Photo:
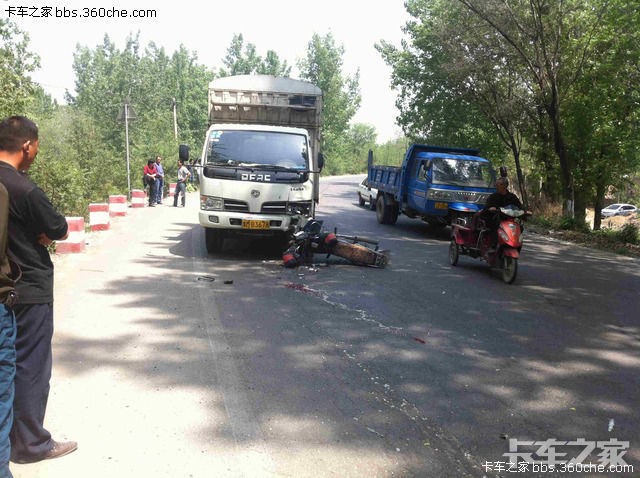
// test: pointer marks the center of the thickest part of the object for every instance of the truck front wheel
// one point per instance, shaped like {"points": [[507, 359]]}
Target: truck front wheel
{"points": [[386, 211], [213, 239]]}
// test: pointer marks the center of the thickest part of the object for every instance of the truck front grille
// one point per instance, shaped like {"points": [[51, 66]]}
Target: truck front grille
{"points": [[279, 207], [236, 206]]}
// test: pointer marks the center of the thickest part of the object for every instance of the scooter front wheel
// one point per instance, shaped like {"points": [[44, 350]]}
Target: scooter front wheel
{"points": [[509, 269], [453, 252]]}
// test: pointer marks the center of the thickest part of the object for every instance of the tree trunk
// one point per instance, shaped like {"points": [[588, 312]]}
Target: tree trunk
{"points": [[565, 167], [523, 190], [580, 206], [600, 190]]}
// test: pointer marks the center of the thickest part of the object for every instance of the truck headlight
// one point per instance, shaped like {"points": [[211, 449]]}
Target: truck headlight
{"points": [[440, 195], [302, 207], [208, 203]]}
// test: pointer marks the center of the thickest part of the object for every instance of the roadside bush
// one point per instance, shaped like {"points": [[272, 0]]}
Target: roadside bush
{"points": [[572, 224], [628, 234], [542, 221]]}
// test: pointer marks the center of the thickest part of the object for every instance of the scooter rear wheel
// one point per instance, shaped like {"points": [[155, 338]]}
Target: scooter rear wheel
{"points": [[453, 252], [509, 269]]}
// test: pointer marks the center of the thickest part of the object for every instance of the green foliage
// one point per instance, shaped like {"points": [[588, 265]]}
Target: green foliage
{"points": [[566, 223], [73, 167], [17, 63], [322, 66], [615, 237], [243, 60], [556, 83], [629, 234], [107, 77], [435, 101]]}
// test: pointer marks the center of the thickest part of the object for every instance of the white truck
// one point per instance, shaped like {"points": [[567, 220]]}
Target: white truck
{"points": [[260, 163]]}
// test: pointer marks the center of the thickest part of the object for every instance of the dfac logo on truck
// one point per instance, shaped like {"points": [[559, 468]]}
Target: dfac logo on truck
{"points": [[256, 177]]}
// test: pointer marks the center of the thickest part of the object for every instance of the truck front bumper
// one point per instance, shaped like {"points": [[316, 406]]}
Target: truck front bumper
{"points": [[237, 221]]}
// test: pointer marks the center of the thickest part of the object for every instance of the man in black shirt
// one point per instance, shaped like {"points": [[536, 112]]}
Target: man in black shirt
{"points": [[33, 224], [501, 198]]}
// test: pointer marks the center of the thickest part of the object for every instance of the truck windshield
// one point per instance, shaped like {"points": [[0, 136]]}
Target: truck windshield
{"points": [[463, 172], [257, 148]]}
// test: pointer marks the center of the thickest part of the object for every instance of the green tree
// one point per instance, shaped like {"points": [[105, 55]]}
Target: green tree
{"points": [[17, 63], [434, 104], [603, 120], [554, 43], [150, 80], [322, 66], [361, 138], [243, 59]]}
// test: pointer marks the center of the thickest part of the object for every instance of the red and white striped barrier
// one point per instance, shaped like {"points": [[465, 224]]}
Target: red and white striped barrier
{"points": [[99, 216], [172, 189], [138, 198], [117, 205], [75, 242]]}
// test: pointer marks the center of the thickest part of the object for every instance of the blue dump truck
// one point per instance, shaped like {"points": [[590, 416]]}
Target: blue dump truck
{"points": [[439, 185]]}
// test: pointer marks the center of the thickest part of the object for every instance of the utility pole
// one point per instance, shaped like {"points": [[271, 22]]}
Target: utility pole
{"points": [[127, 114], [126, 134], [175, 119]]}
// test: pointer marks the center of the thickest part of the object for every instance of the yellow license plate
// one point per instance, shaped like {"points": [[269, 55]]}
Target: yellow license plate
{"points": [[442, 205], [254, 224]]}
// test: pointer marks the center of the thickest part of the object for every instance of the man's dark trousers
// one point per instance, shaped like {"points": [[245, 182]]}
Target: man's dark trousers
{"points": [[181, 186], [33, 371]]}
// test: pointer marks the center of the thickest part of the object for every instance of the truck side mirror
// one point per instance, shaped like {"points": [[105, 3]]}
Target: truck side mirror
{"points": [[320, 161], [183, 152]]}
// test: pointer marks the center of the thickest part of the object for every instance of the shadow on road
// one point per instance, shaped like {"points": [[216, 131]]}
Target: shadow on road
{"points": [[419, 356]]}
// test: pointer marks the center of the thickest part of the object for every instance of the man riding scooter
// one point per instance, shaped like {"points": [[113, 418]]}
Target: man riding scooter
{"points": [[491, 212]]}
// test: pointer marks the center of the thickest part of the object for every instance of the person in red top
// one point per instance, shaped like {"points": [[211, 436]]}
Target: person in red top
{"points": [[150, 174]]}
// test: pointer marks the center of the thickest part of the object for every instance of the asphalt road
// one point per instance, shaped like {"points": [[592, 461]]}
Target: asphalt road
{"points": [[161, 369]]}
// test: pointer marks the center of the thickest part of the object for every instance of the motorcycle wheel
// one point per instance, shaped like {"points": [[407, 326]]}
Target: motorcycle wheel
{"points": [[453, 252], [509, 269]]}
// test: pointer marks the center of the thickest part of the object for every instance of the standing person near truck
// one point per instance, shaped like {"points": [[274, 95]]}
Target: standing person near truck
{"points": [[33, 224], [159, 180], [8, 279], [181, 185], [150, 174]]}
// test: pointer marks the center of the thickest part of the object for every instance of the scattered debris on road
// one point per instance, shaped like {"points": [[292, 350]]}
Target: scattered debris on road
{"points": [[375, 432], [206, 278]]}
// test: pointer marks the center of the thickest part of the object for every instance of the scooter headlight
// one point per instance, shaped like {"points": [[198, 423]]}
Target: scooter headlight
{"points": [[503, 235]]}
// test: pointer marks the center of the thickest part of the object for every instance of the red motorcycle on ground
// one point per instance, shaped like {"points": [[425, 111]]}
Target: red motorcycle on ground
{"points": [[475, 241]]}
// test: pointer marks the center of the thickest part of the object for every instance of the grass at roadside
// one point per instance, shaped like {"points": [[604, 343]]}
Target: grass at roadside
{"points": [[623, 240]]}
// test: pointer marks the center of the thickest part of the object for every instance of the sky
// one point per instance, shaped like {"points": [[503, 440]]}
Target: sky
{"points": [[207, 27]]}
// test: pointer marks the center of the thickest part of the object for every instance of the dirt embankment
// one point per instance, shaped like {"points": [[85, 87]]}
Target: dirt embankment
{"points": [[615, 222]]}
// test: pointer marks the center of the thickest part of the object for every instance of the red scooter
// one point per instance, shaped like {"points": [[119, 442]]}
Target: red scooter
{"points": [[475, 241]]}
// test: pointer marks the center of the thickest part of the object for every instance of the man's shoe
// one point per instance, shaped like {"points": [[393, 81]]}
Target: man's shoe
{"points": [[59, 448]]}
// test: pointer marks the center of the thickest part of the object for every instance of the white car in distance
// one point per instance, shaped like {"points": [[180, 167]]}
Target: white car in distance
{"points": [[618, 210], [367, 194]]}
